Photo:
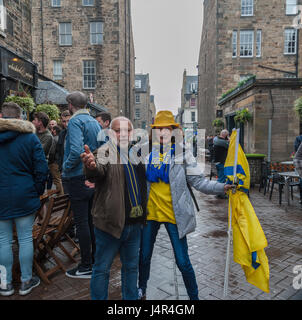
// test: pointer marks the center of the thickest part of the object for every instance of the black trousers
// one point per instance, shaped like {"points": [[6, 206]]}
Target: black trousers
{"points": [[81, 198]]}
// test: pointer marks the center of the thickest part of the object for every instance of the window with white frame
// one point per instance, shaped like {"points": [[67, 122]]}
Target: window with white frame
{"points": [[193, 116], [96, 32], [234, 44], [258, 43], [88, 3], [2, 16], [89, 74], [247, 7], [246, 43], [57, 70], [56, 3], [290, 41], [291, 7], [65, 34], [138, 84], [137, 98], [137, 113], [193, 86]]}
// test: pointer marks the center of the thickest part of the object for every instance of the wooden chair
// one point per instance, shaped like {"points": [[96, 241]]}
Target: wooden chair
{"points": [[62, 225], [47, 234]]}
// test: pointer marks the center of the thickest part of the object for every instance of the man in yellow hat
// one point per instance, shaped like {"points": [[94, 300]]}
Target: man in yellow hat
{"points": [[169, 199]]}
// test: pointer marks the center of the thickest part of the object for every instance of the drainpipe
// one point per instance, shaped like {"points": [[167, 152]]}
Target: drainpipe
{"points": [[270, 121], [297, 54], [42, 35]]}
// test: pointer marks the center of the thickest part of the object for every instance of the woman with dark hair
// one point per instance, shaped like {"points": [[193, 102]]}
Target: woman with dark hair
{"points": [[169, 200]]}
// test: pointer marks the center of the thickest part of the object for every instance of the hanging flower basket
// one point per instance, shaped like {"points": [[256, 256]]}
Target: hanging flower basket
{"points": [[218, 123], [298, 107], [243, 116]]}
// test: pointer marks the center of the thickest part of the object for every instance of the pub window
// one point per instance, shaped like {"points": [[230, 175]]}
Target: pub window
{"points": [[65, 34], [96, 32], [291, 7], [247, 7], [88, 3], [56, 3], [2, 16], [290, 41], [89, 74], [246, 43], [57, 70]]}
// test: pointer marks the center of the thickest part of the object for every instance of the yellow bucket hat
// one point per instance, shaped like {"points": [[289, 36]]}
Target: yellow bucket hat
{"points": [[164, 119]]}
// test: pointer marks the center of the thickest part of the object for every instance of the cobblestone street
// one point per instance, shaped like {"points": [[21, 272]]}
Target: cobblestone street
{"points": [[207, 248]]}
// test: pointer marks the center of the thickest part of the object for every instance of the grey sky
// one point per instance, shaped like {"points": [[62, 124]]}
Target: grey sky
{"points": [[167, 37]]}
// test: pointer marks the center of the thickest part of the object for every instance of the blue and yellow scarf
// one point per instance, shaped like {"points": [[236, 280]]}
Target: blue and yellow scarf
{"points": [[132, 186], [159, 163]]}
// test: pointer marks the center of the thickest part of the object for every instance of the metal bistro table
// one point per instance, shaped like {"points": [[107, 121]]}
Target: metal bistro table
{"points": [[287, 176]]}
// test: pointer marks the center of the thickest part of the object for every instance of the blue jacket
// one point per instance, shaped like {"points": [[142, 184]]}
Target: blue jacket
{"points": [[23, 169], [82, 129]]}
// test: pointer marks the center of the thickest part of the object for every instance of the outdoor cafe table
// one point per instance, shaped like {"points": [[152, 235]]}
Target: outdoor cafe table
{"points": [[287, 176]]}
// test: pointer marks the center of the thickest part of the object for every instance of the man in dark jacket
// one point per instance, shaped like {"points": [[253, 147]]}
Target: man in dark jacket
{"points": [[59, 157], [41, 121], [221, 145], [23, 172], [119, 210]]}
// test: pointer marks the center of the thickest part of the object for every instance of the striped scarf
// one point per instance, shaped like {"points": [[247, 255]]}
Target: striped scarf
{"points": [[132, 186]]}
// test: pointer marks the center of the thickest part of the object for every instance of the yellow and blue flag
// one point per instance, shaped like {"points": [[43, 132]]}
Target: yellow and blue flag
{"points": [[249, 240]]}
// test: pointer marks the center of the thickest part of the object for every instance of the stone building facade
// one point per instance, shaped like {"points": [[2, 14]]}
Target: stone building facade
{"points": [[188, 113], [266, 100], [87, 45], [17, 70], [241, 38], [142, 111], [15, 26]]}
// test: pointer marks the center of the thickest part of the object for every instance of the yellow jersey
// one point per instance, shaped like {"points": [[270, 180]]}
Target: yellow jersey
{"points": [[159, 205]]}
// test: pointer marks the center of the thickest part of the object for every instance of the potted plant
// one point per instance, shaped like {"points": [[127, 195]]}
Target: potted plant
{"points": [[50, 109], [243, 116]]}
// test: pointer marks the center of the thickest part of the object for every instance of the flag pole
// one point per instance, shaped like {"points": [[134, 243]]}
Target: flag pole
{"points": [[230, 230]]}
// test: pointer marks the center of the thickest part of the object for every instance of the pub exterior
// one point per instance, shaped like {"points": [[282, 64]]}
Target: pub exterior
{"points": [[17, 74]]}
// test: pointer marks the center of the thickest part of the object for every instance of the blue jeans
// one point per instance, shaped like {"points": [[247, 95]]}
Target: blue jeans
{"points": [[220, 171], [180, 248], [24, 227], [106, 249]]}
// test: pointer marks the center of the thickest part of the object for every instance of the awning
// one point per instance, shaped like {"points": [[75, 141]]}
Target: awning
{"points": [[95, 108], [50, 92]]}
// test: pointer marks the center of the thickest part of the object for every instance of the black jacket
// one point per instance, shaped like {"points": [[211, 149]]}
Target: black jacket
{"points": [[59, 156], [220, 149]]}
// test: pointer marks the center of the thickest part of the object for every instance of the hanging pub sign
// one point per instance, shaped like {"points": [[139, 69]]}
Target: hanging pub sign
{"points": [[17, 68]]}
